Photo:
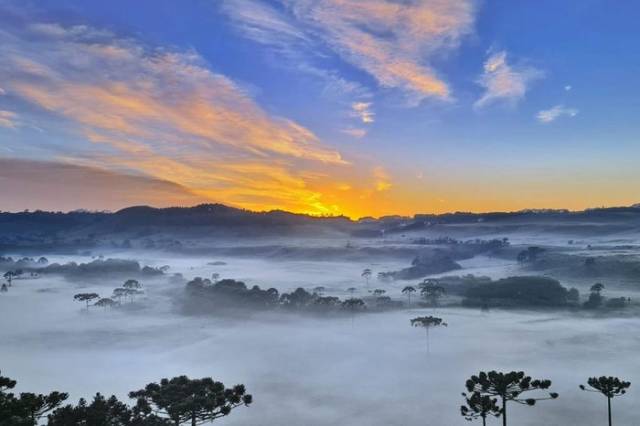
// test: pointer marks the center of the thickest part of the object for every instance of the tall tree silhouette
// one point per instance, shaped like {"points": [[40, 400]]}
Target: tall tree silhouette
{"points": [[607, 386], [427, 323], [194, 401], [479, 406], [9, 275], [408, 290], [353, 304], [105, 303], [366, 274], [508, 387], [85, 297], [431, 290]]}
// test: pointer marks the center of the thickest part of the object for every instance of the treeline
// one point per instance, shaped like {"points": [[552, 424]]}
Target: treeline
{"points": [[170, 402], [206, 296], [519, 291], [96, 268]]}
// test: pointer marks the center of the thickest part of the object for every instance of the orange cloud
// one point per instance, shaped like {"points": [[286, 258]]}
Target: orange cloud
{"points": [[167, 115], [8, 119], [392, 41]]}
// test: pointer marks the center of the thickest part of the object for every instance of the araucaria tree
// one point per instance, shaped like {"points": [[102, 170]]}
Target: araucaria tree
{"points": [[427, 323], [27, 408], [190, 401], [9, 276], [105, 303], [479, 406], [366, 274], [432, 291], [408, 290], [354, 304], [508, 387], [607, 386], [85, 297]]}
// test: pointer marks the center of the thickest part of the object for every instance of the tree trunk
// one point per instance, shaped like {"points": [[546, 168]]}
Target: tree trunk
{"points": [[193, 419], [504, 411], [609, 407], [484, 420], [428, 346]]}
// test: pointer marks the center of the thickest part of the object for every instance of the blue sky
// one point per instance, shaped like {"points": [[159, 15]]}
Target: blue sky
{"points": [[326, 107]]}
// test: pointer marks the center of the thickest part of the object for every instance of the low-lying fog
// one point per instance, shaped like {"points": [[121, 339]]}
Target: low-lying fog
{"points": [[306, 370]]}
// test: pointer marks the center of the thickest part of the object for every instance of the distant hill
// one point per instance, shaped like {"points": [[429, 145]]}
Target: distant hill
{"points": [[85, 228]]}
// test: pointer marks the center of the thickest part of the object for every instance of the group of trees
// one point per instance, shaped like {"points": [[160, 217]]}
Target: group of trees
{"points": [[597, 300], [171, 402], [488, 394], [129, 290], [206, 296], [430, 290]]}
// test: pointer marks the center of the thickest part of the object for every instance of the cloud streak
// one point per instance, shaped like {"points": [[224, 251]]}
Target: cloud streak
{"points": [[8, 119], [362, 111], [394, 42], [552, 114]]}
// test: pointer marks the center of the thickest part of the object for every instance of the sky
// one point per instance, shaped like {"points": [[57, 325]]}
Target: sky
{"points": [[325, 107]]}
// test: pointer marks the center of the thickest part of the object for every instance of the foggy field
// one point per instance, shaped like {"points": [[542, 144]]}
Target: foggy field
{"points": [[310, 370]]}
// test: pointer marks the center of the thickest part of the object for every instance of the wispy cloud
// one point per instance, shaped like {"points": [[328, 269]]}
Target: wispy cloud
{"points": [[356, 132], [8, 119], [552, 114], [504, 82], [392, 41], [362, 111], [166, 114], [382, 179]]}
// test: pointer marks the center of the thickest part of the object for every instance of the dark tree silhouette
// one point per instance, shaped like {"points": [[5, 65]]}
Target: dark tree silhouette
{"points": [[9, 275], [607, 386], [408, 290], [194, 401], [3, 288], [132, 289], [119, 293], [508, 387], [85, 297], [479, 406], [378, 292], [573, 295], [351, 290], [595, 297], [132, 284], [104, 412], [27, 408], [427, 323], [431, 290], [105, 303], [352, 305], [366, 274]]}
